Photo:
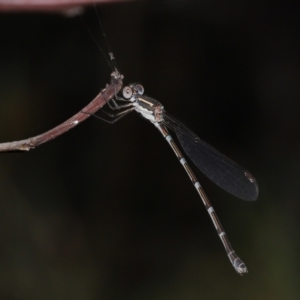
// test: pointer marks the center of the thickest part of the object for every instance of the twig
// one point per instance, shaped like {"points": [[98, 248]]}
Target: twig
{"points": [[104, 96]]}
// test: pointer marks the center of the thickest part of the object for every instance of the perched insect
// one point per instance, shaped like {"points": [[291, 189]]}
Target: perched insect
{"points": [[217, 167]]}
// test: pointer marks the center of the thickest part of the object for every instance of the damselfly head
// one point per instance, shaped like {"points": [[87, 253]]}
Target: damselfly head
{"points": [[133, 89]]}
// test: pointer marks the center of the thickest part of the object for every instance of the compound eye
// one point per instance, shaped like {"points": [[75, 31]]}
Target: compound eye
{"points": [[140, 89], [127, 92]]}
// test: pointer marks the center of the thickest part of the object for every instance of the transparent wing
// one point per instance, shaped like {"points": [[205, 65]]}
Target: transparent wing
{"points": [[216, 166]]}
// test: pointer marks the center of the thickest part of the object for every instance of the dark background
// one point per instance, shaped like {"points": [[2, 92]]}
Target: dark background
{"points": [[107, 212]]}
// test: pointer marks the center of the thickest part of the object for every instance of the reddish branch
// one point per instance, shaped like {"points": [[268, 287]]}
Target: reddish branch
{"points": [[48, 5], [104, 96]]}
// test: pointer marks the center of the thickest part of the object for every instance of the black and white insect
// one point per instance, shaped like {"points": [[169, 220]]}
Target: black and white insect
{"points": [[217, 167]]}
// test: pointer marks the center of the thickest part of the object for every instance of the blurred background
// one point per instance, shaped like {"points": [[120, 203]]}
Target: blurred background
{"points": [[106, 211]]}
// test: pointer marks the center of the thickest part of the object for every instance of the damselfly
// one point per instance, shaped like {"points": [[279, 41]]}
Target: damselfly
{"points": [[217, 167]]}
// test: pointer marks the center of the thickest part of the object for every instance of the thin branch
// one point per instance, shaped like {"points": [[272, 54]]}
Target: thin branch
{"points": [[100, 100]]}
